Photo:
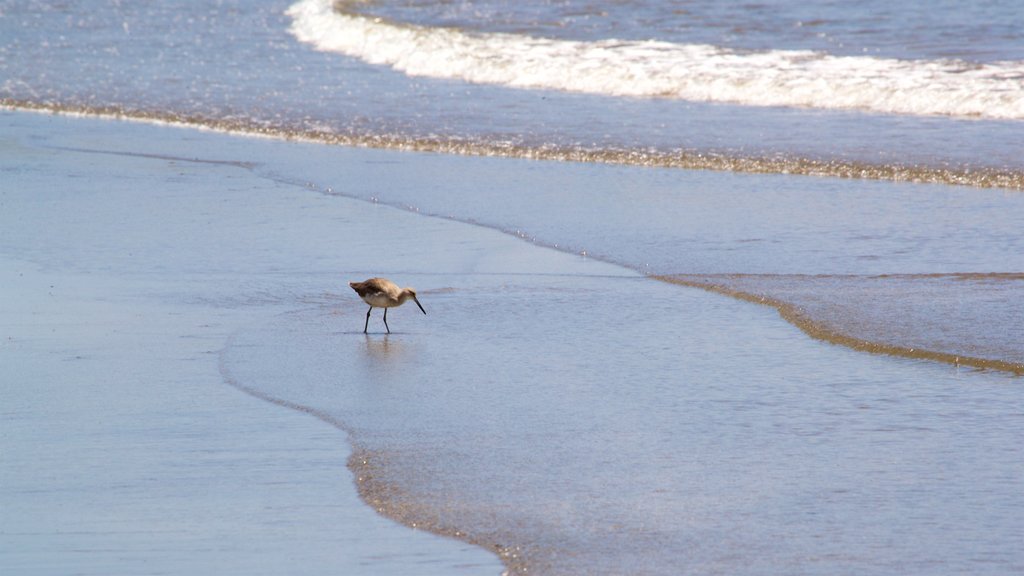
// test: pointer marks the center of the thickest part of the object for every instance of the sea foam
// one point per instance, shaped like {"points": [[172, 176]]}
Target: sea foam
{"points": [[695, 72]]}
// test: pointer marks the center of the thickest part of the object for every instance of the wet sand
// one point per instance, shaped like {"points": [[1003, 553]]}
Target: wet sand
{"points": [[182, 325]]}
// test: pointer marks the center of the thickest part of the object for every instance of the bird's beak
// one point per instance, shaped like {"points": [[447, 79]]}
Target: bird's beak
{"points": [[418, 304]]}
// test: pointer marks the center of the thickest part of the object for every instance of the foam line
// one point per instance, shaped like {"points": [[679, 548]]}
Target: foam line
{"points": [[695, 72]]}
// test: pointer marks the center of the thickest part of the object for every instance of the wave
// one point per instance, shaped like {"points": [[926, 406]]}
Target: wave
{"points": [[695, 72]]}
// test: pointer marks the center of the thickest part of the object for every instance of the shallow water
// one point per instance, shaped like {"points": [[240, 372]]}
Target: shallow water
{"points": [[963, 319], [896, 257], [582, 425]]}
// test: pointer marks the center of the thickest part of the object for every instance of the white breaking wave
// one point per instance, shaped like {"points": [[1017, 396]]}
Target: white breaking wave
{"points": [[661, 69]]}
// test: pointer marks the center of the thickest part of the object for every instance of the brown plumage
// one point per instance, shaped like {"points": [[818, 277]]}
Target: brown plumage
{"points": [[383, 293]]}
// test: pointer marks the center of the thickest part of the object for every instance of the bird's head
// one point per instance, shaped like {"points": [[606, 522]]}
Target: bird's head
{"points": [[411, 293]]}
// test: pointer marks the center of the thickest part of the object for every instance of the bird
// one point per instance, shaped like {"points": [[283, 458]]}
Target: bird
{"points": [[383, 293]]}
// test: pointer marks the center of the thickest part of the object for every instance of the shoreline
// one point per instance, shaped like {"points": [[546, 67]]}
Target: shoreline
{"points": [[789, 310], [982, 178]]}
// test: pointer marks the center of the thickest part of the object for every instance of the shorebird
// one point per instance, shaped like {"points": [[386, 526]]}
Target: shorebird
{"points": [[383, 293]]}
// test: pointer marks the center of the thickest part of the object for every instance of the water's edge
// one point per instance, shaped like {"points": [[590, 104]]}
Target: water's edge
{"points": [[363, 464], [676, 159], [818, 330]]}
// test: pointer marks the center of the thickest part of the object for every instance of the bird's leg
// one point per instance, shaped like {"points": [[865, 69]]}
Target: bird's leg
{"points": [[386, 320], [365, 326]]}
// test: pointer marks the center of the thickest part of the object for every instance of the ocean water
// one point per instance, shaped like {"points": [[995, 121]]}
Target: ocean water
{"points": [[856, 166], [909, 93]]}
